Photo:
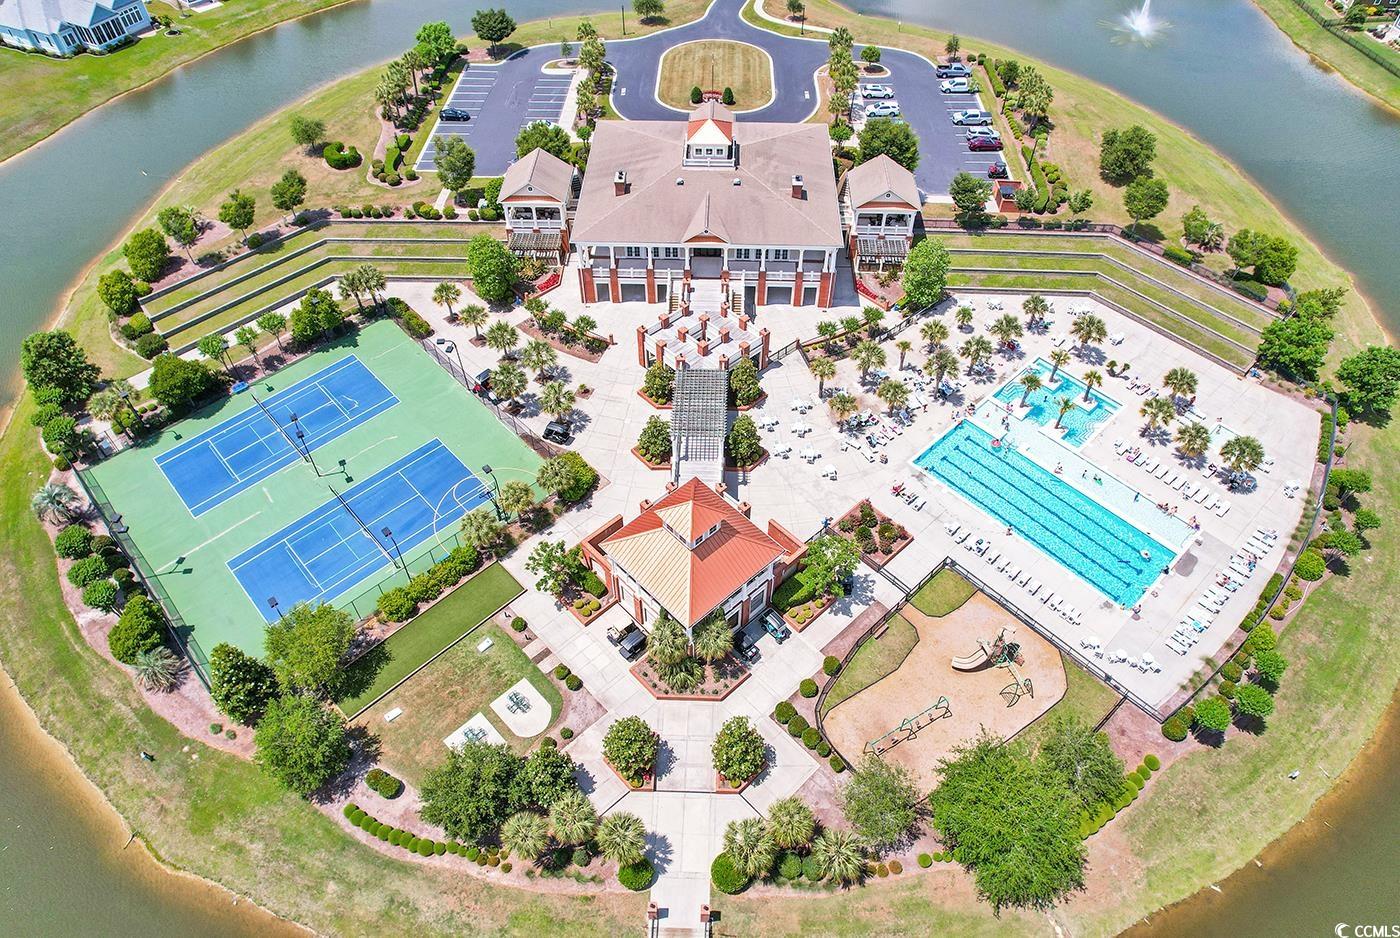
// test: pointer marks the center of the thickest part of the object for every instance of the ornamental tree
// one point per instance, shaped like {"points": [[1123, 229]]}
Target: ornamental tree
{"points": [[1270, 666], [631, 747], [879, 801], [1251, 700], [180, 224], [1084, 760], [926, 273], [742, 443], [436, 41], [1144, 198], [1213, 714], [543, 777], [493, 25], [306, 646], [177, 383], [455, 162], [895, 140], [308, 132], [738, 751], [545, 136], [648, 10], [1126, 154], [470, 794], [829, 562], [146, 253], [1372, 379], [970, 195], [301, 743], [555, 566], [1295, 347], [238, 211], [242, 685], [289, 191], [493, 268], [118, 292], [654, 443], [54, 362]]}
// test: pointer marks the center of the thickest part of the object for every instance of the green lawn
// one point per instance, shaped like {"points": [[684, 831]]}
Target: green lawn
{"points": [[1086, 698], [945, 593], [427, 635], [43, 93], [446, 694], [875, 659]]}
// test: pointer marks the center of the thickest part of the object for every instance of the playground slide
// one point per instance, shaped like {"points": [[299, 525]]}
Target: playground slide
{"points": [[972, 662]]}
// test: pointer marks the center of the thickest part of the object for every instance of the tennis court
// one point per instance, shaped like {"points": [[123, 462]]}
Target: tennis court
{"points": [[341, 542], [392, 434], [242, 451]]}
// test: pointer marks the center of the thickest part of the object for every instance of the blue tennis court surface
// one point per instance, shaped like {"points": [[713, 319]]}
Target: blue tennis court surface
{"points": [[207, 469], [326, 552]]}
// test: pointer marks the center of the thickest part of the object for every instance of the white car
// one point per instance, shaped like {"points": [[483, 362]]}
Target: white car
{"points": [[985, 132], [876, 91], [883, 109], [954, 86], [973, 116]]}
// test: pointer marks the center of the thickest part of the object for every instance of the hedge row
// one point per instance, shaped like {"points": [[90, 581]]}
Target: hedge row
{"points": [[423, 846], [400, 603]]}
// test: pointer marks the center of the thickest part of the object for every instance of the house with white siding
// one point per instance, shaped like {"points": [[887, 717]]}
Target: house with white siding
{"points": [[67, 27]]}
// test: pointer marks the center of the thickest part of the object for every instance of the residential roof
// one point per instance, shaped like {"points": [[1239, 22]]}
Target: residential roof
{"points": [[689, 582], [46, 16], [747, 204], [881, 180], [537, 173]]}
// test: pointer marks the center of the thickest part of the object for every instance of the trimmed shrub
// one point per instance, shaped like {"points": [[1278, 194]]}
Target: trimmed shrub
{"points": [[1178, 255], [790, 866], [1152, 762], [1231, 672], [150, 345], [811, 736], [566, 733], [797, 725], [101, 595], [808, 688], [838, 765], [395, 605], [561, 672], [573, 682], [830, 665], [383, 783], [518, 624], [1175, 729], [726, 876], [88, 570], [73, 542], [1135, 780], [637, 876], [1311, 565], [812, 869], [506, 867], [925, 860], [784, 712]]}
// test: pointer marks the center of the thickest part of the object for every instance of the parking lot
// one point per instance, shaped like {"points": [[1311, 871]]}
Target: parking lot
{"points": [[500, 99], [943, 149]]}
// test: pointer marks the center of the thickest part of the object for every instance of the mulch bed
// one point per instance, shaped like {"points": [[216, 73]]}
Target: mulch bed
{"points": [[607, 601], [723, 788], [648, 782], [577, 350], [721, 678], [734, 467], [815, 607], [643, 395], [881, 554], [648, 463]]}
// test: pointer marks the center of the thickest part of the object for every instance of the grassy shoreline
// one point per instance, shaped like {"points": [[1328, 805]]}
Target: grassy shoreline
{"points": [[35, 81], [1334, 54], [199, 815]]}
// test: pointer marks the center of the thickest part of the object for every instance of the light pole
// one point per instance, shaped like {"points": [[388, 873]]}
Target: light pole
{"points": [[624, 19], [457, 351], [390, 535], [496, 488], [126, 399], [272, 602]]}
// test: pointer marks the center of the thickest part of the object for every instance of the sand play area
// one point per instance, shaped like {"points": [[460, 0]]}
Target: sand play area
{"points": [[974, 697]]}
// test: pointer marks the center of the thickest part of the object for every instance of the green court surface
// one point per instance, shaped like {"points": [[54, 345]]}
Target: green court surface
{"points": [[190, 554]]}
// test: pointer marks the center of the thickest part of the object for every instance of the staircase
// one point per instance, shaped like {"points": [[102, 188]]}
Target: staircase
{"points": [[698, 424], [706, 296]]}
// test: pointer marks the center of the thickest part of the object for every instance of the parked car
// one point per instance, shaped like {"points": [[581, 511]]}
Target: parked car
{"points": [[876, 91], [973, 116], [774, 625], [986, 132], [984, 143], [557, 431], [630, 641], [455, 114], [997, 170], [954, 86], [883, 109], [952, 70], [745, 646], [482, 386]]}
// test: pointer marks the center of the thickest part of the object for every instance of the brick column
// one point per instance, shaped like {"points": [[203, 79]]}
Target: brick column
{"points": [[642, 346], [764, 339], [614, 291], [760, 295], [651, 285], [797, 286], [586, 286], [824, 291]]}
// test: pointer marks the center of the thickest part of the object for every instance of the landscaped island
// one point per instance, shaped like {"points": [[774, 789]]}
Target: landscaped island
{"points": [[458, 664]]}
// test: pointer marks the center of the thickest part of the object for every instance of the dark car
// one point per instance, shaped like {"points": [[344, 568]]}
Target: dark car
{"points": [[997, 170], [746, 646], [455, 114], [482, 386], [629, 641], [984, 143], [557, 431], [952, 70]]}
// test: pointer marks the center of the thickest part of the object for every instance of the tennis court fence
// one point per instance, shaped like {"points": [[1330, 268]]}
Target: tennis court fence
{"points": [[362, 605], [456, 370], [179, 630]]}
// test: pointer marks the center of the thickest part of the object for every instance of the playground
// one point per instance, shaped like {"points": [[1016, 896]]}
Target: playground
{"points": [[974, 666]]}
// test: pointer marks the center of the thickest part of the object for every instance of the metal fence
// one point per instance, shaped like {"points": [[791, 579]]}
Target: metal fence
{"points": [[454, 367], [179, 630], [1338, 28], [363, 604]]}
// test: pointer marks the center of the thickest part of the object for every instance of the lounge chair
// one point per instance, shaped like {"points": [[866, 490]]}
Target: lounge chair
{"points": [[923, 500], [1013, 572], [1210, 502], [1003, 565], [1033, 587], [1161, 471], [1190, 489], [962, 537], [1200, 495], [1152, 465], [992, 556], [952, 528], [1049, 597], [1179, 483], [1222, 509], [1023, 578]]}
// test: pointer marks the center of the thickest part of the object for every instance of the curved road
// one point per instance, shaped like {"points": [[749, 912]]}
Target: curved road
{"points": [[503, 97]]}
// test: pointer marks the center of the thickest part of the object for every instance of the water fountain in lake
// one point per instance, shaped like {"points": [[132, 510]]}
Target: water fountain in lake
{"points": [[1139, 25]]}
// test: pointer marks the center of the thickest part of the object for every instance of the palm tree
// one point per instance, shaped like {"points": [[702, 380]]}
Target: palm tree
{"points": [[943, 364], [1035, 308], [749, 846], [557, 399], [828, 330], [55, 503], [525, 834], [851, 325], [621, 838], [538, 355], [1007, 328], [1180, 381], [473, 315], [871, 316], [894, 393], [1064, 405], [508, 381], [1193, 439], [823, 369], [502, 337], [843, 405], [1058, 357], [371, 280], [158, 669], [445, 294], [934, 333], [903, 345], [976, 350], [868, 354], [713, 638], [1030, 381], [1242, 453], [1089, 330], [573, 819], [1092, 379], [840, 854], [667, 642], [963, 317], [351, 287], [584, 324], [1159, 411], [791, 823]]}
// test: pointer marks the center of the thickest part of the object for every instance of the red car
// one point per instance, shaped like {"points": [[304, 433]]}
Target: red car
{"points": [[997, 170], [984, 143]]}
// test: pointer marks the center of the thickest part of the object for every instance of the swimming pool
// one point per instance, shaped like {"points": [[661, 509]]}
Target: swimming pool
{"points": [[1083, 535], [1043, 404]]}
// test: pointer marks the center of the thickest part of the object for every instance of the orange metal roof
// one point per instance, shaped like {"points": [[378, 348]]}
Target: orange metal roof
{"points": [[690, 583]]}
